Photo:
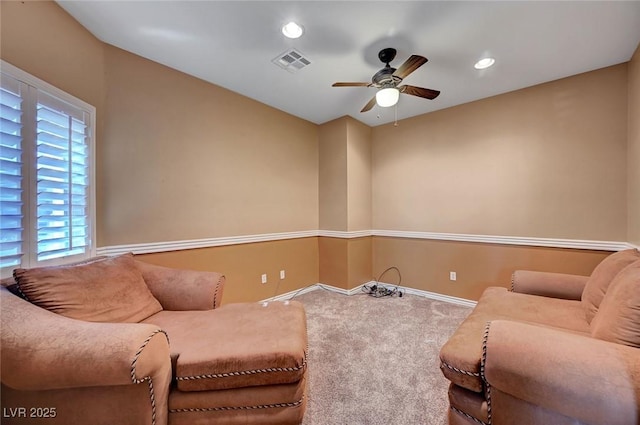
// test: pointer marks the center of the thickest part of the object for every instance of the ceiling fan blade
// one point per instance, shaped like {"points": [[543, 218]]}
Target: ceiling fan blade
{"points": [[369, 105], [350, 84], [419, 91], [410, 65]]}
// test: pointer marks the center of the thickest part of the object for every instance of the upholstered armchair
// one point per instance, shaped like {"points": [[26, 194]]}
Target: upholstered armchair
{"points": [[119, 341], [555, 349]]}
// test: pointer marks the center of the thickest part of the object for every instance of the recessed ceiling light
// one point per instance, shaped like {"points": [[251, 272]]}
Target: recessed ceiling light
{"points": [[484, 63], [292, 30]]}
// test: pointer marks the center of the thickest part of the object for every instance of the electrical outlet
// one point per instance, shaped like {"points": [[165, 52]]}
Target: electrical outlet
{"points": [[282, 275], [452, 276], [264, 278]]}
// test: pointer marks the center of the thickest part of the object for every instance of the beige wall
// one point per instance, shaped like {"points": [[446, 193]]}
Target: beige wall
{"points": [[43, 40], [190, 160], [345, 175], [547, 161], [360, 261], [634, 150], [334, 261], [358, 175], [333, 194], [425, 264], [345, 263], [177, 158], [244, 264], [345, 201]]}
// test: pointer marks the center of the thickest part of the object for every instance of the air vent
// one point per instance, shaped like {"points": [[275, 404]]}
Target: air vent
{"points": [[291, 60]]}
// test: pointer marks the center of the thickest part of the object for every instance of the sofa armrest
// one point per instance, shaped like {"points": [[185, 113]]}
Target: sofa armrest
{"points": [[179, 289], [42, 350], [578, 376], [553, 285]]}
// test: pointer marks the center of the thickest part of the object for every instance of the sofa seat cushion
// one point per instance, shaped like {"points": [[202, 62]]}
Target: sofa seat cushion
{"points": [[269, 404], [469, 403], [461, 355], [236, 345]]}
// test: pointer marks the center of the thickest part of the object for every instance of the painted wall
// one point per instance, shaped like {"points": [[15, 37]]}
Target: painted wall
{"points": [[634, 150], [358, 175], [345, 175], [333, 207], [189, 160], [425, 264], [42, 39], [177, 158], [547, 161], [244, 264], [345, 202]]}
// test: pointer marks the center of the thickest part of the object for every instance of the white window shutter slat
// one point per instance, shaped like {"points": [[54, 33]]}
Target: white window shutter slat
{"points": [[46, 169], [11, 181]]}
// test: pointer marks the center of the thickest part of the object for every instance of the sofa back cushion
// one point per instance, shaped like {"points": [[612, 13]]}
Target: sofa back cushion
{"points": [[106, 290], [618, 318], [601, 278]]}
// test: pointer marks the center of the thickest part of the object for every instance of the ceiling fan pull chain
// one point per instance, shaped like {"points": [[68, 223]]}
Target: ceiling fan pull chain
{"points": [[395, 109]]}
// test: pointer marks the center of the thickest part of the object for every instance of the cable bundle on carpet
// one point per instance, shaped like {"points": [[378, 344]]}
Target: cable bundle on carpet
{"points": [[379, 290]]}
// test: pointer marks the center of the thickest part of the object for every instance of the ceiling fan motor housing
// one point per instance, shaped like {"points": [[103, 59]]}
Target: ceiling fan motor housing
{"points": [[385, 77]]}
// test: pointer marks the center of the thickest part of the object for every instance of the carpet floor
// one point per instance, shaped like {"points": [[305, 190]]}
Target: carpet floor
{"points": [[374, 361]]}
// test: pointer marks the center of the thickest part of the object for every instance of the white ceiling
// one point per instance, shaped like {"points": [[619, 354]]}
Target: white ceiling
{"points": [[232, 44]]}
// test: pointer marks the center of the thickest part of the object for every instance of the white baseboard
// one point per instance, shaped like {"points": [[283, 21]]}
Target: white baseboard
{"points": [[440, 297], [358, 289], [314, 287]]}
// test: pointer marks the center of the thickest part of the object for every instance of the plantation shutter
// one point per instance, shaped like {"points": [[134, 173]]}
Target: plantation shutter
{"points": [[62, 182], [46, 173], [11, 181]]}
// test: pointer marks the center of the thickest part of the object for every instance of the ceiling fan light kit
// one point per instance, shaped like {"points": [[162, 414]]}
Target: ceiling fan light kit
{"points": [[387, 80], [387, 97]]}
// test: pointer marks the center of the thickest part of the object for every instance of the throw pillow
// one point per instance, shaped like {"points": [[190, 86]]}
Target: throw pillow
{"points": [[601, 278], [618, 318], [106, 290]]}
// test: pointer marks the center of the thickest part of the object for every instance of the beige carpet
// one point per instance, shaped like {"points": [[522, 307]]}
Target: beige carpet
{"points": [[374, 361]]}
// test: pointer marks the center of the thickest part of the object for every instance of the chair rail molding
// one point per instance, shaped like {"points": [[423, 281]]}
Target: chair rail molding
{"points": [[151, 247], [509, 240]]}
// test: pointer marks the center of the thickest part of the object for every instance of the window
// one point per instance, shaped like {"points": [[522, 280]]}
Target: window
{"points": [[46, 173]]}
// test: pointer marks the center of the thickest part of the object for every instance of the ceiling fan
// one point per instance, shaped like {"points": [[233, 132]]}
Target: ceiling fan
{"points": [[388, 78]]}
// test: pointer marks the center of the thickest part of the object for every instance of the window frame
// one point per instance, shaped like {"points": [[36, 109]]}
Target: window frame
{"points": [[29, 171]]}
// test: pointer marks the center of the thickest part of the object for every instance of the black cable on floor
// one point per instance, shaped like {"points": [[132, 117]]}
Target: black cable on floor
{"points": [[379, 290]]}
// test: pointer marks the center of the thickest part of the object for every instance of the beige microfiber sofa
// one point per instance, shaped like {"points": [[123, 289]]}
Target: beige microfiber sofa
{"points": [[119, 341], [555, 350]]}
